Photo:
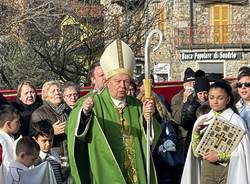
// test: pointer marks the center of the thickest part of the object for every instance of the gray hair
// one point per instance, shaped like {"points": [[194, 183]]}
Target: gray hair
{"points": [[46, 87], [71, 84]]}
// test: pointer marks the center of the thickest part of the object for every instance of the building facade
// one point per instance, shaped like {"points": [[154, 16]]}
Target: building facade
{"points": [[202, 34], [206, 35]]}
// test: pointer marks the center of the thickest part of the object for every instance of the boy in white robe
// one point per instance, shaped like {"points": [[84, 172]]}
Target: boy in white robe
{"points": [[27, 151], [3, 170], [9, 125]]}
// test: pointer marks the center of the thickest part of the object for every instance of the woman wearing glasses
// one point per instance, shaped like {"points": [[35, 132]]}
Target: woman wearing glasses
{"points": [[26, 103], [243, 105], [71, 93]]}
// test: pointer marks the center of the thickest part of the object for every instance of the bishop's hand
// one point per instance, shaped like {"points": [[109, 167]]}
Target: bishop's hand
{"points": [[88, 104], [148, 108]]}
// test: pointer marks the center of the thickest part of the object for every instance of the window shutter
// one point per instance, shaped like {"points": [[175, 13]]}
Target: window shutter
{"points": [[220, 22]]}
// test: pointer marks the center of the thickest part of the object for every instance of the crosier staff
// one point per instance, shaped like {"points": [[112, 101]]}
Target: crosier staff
{"points": [[147, 82]]}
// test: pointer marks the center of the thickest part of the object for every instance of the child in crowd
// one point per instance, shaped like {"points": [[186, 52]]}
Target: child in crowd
{"points": [[9, 125], [43, 133], [27, 151], [235, 167], [203, 109]]}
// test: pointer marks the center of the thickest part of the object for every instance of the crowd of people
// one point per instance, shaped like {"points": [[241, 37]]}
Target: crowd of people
{"points": [[100, 137]]}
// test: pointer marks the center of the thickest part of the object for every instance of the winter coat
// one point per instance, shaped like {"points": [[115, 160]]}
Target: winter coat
{"points": [[25, 113], [176, 106], [188, 118], [46, 112], [3, 100]]}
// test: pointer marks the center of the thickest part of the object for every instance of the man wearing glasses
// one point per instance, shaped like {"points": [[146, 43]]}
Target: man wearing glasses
{"points": [[243, 105]]}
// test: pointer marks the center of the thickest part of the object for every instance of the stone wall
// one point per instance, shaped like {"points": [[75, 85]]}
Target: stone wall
{"points": [[178, 16]]}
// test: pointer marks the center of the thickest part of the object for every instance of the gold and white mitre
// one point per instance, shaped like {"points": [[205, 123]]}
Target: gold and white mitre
{"points": [[117, 58]]}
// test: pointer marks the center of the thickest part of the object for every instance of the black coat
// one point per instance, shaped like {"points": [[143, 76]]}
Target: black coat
{"points": [[25, 113], [3, 100], [188, 118]]}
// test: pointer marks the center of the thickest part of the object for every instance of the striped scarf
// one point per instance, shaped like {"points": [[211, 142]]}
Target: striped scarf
{"points": [[60, 111]]}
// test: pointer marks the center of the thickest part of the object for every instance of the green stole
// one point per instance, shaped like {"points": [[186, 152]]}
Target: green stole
{"points": [[111, 151]]}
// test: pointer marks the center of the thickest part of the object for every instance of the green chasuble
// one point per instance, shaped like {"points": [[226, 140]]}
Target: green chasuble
{"points": [[112, 148]]}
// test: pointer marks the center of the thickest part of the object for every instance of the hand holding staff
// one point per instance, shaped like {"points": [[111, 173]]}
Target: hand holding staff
{"points": [[148, 94]]}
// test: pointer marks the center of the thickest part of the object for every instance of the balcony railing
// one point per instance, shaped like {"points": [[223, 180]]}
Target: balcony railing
{"points": [[239, 2], [233, 35]]}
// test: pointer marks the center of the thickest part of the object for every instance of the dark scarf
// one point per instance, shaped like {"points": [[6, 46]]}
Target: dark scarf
{"points": [[59, 110], [24, 107]]}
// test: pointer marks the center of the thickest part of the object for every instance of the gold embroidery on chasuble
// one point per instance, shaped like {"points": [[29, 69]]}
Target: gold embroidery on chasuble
{"points": [[129, 149]]}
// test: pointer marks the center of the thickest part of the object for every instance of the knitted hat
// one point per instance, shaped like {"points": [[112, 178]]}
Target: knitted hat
{"points": [[201, 84], [189, 75], [117, 58], [199, 73]]}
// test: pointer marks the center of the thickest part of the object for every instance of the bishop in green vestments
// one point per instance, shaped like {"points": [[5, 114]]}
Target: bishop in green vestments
{"points": [[106, 137]]}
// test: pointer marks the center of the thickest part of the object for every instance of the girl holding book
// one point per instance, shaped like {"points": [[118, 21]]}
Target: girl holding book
{"points": [[218, 167]]}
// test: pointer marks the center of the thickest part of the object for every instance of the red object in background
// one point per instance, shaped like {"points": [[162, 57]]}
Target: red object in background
{"points": [[167, 89], [1, 154]]}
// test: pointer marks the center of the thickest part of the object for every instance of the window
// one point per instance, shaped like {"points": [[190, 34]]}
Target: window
{"points": [[213, 70], [220, 21], [138, 69]]}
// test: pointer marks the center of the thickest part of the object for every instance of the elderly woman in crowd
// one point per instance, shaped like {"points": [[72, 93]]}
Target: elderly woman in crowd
{"points": [[26, 103], [54, 111], [71, 93]]}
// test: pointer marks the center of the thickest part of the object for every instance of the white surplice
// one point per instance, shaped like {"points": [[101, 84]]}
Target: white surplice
{"points": [[18, 173], [3, 173], [8, 145], [239, 165], [14, 170]]}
